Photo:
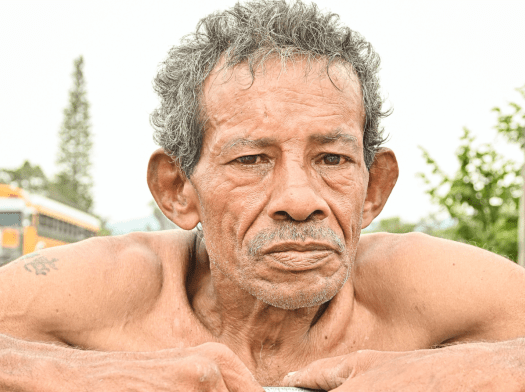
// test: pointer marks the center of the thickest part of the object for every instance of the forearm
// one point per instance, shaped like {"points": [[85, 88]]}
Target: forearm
{"points": [[491, 367], [42, 367], [38, 367], [502, 359], [480, 366], [26, 366]]}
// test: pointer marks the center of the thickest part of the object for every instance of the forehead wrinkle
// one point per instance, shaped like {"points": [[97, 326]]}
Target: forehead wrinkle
{"points": [[336, 136], [254, 143]]}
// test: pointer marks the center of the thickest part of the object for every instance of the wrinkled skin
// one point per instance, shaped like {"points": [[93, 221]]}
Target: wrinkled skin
{"points": [[285, 152]]}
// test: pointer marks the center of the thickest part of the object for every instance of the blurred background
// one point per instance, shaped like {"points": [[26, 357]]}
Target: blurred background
{"points": [[445, 66]]}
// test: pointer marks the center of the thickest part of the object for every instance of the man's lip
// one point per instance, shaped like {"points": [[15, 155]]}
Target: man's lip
{"points": [[299, 247]]}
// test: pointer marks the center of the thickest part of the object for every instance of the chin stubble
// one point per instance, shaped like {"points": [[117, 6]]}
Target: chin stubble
{"points": [[289, 231], [293, 231]]}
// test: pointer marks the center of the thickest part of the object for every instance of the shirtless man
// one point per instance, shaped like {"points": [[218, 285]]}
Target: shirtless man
{"points": [[286, 173]]}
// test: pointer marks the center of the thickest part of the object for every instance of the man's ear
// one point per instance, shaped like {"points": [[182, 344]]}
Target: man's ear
{"points": [[173, 192], [382, 178]]}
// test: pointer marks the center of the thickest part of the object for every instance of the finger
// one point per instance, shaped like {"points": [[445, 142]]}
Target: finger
{"points": [[238, 378], [196, 372], [234, 372], [326, 374]]}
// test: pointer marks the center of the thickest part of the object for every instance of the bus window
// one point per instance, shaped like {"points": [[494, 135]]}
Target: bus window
{"points": [[10, 219], [60, 230]]}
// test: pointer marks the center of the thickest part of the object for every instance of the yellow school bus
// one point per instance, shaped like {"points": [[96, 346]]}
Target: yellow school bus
{"points": [[30, 222]]}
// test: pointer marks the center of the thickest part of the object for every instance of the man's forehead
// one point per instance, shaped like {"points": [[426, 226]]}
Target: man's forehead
{"points": [[291, 91], [274, 73]]}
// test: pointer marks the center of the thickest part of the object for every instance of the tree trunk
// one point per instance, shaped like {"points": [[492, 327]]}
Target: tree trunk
{"points": [[521, 223]]}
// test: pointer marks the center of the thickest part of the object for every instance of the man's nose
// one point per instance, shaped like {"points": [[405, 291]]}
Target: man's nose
{"points": [[295, 197]]}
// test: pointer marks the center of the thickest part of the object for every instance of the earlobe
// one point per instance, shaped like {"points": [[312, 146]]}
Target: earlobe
{"points": [[172, 190], [382, 178]]}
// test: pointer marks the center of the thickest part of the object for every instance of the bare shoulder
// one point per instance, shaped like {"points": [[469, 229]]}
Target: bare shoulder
{"points": [[457, 291], [63, 292]]}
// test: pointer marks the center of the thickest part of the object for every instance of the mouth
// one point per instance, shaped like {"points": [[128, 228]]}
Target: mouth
{"points": [[293, 256], [300, 247]]}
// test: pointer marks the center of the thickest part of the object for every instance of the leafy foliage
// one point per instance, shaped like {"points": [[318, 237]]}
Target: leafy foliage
{"points": [[392, 225], [482, 196], [29, 177], [512, 125], [104, 228]]}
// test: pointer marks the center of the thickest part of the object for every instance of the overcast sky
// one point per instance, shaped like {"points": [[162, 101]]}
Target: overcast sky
{"points": [[445, 64]]}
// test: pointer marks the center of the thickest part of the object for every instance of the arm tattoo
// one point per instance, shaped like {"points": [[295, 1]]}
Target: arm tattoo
{"points": [[38, 264]]}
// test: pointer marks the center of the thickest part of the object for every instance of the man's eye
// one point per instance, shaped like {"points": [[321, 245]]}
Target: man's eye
{"points": [[332, 159], [248, 159]]}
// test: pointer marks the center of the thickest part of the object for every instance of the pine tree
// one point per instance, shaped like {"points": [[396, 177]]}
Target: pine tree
{"points": [[73, 182]]}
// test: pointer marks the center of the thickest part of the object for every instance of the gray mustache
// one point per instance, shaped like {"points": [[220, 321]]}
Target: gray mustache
{"points": [[294, 232]]}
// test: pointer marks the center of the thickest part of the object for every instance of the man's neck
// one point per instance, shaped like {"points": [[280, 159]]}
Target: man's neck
{"points": [[253, 329]]}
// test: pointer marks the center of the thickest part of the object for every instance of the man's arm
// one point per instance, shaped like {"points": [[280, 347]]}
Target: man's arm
{"points": [[450, 291], [68, 294], [38, 367], [71, 293], [483, 367]]}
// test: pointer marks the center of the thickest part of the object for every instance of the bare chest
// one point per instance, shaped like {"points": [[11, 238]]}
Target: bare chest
{"points": [[179, 328]]}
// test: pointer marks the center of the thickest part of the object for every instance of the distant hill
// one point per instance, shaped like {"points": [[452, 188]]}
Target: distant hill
{"points": [[148, 223]]}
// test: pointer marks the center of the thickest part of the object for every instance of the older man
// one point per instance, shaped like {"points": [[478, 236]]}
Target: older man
{"points": [[269, 127]]}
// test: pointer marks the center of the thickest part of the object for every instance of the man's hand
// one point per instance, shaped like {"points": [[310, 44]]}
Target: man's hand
{"points": [[208, 367], [466, 367], [214, 367]]}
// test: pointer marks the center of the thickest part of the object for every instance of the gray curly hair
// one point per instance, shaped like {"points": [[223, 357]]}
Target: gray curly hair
{"points": [[250, 33]]}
